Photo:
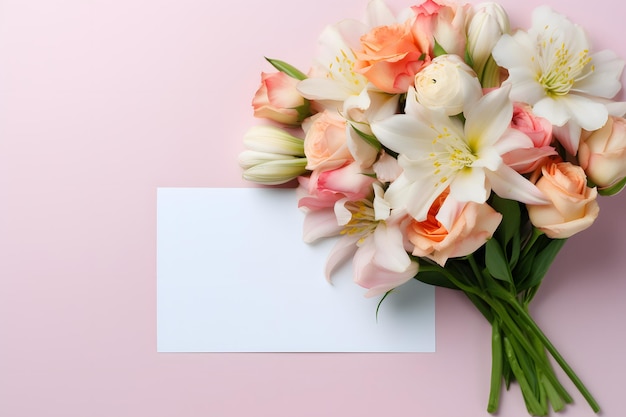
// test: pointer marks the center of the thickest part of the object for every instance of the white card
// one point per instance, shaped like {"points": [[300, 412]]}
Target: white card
{"points": [[233, 275]]}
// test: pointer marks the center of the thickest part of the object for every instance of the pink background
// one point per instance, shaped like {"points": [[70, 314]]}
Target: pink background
{"points": [[103, 102]]}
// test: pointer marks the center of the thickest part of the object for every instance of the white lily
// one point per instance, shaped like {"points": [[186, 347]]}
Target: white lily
{"points": [[333, 80], [551, 67], [437, 152]]}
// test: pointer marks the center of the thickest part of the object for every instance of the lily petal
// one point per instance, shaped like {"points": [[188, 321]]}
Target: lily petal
{"points": [[507, 183], [489, 118], [318, 224]]}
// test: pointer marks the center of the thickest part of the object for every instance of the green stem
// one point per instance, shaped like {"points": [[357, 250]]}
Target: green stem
{"points": [[515, 331], [532, 404], [557, 356], [463, 287], [496, 367], [476, 270]]}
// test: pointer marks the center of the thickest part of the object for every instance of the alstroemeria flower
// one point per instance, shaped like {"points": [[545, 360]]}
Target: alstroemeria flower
{"points": [[437, 152], [370, 233], [374, 236], [551, 67], [333, 80]]}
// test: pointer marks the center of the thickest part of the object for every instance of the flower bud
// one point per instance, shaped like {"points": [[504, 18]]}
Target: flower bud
{"points": [[271, 139], [270, 169], [273, 156], [489, 22]]}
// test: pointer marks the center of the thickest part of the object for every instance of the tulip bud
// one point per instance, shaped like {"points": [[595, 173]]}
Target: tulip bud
{"points": [[270, 169], [271, 139], [489, 22], [273, 156]]}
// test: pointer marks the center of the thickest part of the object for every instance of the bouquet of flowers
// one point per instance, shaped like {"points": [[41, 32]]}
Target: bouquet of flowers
{"points": [[440, 145]]}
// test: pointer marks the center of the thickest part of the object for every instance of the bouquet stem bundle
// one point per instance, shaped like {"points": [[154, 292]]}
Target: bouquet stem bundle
{"points": [[501, 280]]}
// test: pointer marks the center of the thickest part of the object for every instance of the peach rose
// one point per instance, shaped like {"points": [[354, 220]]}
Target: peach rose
{"points": [[277, 99], [325, 142], [471, 225], [390, 57], [539, 130], [573, 206], [602, 153]]}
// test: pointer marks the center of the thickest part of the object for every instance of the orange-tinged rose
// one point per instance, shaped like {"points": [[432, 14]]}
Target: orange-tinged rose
{"points": [[573, 206], [278, 99], [390, 57], [325, 142], [471, 226]]}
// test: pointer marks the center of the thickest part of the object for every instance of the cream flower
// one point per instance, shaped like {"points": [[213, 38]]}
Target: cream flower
{"points": [[448, 84], [552, 68]]}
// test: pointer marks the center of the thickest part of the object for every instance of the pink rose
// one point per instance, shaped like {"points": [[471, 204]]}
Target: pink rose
{"points": [[443, 23], [573, 206], [539, 130], [470, 226], [325, 142], [602, 153], [278, 99], [324, 188], [390, 57]]}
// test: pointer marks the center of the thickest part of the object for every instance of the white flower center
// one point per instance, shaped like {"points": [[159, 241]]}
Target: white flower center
{"points": [[343, 68], [558, 67], [451, 153], [363, 220]]}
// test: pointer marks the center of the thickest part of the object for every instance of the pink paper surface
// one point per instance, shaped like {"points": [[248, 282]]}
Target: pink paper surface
{"points": [[103, 102]]}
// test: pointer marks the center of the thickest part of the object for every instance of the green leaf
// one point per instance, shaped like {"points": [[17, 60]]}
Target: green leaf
{"points": [[515, 250], [435, 278], [369, 139], [511, 215], [522, 269], [496, 262], [288, 69], [438, 49], [542, 262], [614, 189]]}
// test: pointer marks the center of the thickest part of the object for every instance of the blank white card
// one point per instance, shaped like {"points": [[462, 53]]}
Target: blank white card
{"points": [[233, 275]]}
